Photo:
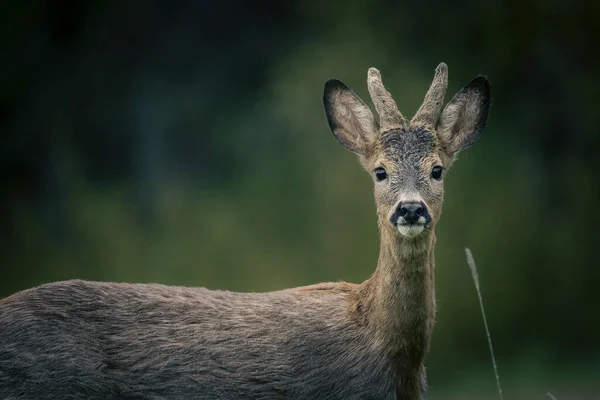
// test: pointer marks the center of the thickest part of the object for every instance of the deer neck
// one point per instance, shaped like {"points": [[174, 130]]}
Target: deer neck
{"points": [[400, 295]]}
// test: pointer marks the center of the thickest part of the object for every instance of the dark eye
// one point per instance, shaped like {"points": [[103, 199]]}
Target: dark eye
{"points": [[380, 174], [436, 173]]}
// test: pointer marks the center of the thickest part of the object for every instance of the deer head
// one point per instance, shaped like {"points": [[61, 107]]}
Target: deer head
{"points": [[408, 160]]}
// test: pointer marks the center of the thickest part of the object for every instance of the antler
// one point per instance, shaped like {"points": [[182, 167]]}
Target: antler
{"points": [[430, 110], [389, 115]]}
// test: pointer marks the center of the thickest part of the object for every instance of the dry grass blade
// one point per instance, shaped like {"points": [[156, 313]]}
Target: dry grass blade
{"points": [[473, 268]]}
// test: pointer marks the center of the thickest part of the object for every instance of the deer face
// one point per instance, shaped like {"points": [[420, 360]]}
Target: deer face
{"points": [[408, 161], [408, 171]]}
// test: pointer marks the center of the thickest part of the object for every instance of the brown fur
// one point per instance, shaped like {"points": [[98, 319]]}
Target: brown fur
{"points": [[98, 340], [399, 299]]}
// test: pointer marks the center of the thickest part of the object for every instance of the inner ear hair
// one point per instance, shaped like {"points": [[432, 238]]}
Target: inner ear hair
{"points": [[350, 119], [465, 116]]}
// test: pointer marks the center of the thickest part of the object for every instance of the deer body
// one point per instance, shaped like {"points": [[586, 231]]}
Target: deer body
{"points": [[94, 340], [161, 342]]}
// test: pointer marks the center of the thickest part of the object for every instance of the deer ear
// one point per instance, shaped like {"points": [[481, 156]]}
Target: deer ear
{"points": [[350, 119], [464, 117]]}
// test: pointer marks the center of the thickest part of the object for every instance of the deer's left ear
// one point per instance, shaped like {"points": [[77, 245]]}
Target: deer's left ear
{"points": [[464, 117]]}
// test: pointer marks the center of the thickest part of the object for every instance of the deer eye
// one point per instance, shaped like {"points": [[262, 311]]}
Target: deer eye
{"points": [[436, 173], [380, 174]]}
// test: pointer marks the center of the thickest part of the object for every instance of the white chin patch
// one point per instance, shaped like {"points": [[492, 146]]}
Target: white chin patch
{"points": [[410, 230]]}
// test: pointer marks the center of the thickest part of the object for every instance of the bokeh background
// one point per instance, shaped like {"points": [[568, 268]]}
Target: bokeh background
{"points": [[185, 143]]}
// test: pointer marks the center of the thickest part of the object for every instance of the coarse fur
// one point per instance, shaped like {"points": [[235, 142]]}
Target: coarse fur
{"points": [[98, 340]]}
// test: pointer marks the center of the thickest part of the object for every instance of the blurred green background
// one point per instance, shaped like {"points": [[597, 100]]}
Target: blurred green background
{"points": [[185, 143]]}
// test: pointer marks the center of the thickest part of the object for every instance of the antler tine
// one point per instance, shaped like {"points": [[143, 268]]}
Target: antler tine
{"points": [[389, 115], [430, 110]]}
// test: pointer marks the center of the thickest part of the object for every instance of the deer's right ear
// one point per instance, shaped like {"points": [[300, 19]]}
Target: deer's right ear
{"points": [[350, 119]]}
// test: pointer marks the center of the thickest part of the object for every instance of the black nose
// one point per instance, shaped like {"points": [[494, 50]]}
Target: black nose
{"points": [[411, 212]]}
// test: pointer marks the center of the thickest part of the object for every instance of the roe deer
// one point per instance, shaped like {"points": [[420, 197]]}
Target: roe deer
{"points": [[95, 340]]}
